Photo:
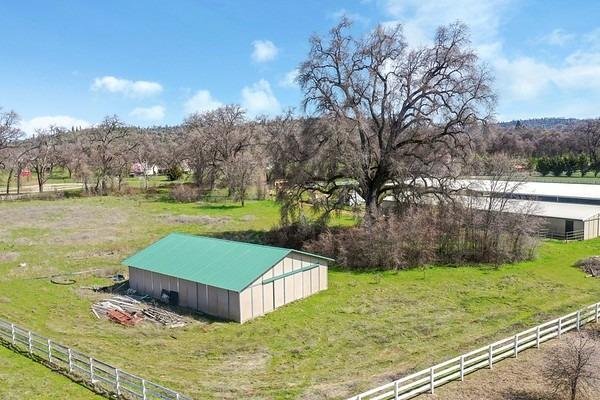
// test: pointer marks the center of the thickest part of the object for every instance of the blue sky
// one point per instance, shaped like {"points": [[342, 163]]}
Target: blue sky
{"points": [[154, 62]]}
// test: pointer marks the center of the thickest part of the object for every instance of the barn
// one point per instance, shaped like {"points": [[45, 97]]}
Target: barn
{"points": [[227, 279]]}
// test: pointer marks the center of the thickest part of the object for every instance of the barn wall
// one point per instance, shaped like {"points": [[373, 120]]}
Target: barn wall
{"points": [[591, 228], [210, 300], [555, 226], [260, 297]]}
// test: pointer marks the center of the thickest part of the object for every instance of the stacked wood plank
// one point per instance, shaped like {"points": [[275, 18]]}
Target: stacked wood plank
{"points": [[165, 317], [128, 311]]}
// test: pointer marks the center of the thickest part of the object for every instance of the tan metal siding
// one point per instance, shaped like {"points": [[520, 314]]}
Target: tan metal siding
{"points": [[268, 289], [288, 282], [278, 286], [245, 304], [297, 277], [188, 294], [323, 277], [234, 306], [222, 303], [202, 301], [135, 277]]}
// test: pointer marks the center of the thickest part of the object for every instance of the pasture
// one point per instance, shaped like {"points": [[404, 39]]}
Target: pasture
{"points": [[366, 329]]}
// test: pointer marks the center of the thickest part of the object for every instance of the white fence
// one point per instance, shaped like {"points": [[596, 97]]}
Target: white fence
{"points": [[427, 380], [103, 377]]}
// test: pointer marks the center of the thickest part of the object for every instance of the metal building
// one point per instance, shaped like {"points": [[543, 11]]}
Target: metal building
{"points": [[231, 280]]}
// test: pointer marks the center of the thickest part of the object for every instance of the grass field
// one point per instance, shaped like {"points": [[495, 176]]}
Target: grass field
{"points": [[22, 378], [366, 329]]}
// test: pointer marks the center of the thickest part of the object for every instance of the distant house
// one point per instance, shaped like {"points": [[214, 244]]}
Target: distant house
{"points": [[227, 279], [138, 169]]}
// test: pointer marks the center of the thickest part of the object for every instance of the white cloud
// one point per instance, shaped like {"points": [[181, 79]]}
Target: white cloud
{"points": [[264, 50], [259, 99], [289, 79], [521, 78], [154, 113], [422, 17], [126, 87], [558, 37], [60, 121], [527, 78], [352, 16], [200, 102]]}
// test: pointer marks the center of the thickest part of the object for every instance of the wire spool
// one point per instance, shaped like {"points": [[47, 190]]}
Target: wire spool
{"points": [[62, 280]]}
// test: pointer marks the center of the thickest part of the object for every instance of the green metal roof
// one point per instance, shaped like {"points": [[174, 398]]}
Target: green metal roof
{"points": [[220, 263]]}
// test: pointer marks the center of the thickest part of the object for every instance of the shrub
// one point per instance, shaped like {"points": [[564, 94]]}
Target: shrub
{"points": [[557, 165], [174, 173], [430, 235], [185, 193], [543, 165]]}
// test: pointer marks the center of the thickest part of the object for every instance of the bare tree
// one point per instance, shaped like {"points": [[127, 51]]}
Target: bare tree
{"points": [[9, 129], [43, 154], [405, 113], [105, 146], [573, 370], [222, 142], [145, 153], [589, 135], [501, 226], [14, 160]]}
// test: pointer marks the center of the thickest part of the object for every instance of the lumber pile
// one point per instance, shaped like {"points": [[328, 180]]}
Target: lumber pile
{"points": [[165, 317], [128, 311]]}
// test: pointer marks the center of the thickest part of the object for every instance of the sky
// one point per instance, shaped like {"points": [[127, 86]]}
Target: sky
{"points": [[70, 63]]}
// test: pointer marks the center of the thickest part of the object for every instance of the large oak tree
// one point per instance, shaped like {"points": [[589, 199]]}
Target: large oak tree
{"points": [[401, 115]]}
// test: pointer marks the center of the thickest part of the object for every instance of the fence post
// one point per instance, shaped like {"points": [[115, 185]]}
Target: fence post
{"points": [[491, 356], [92, 370], [462, 368], [396, 390], [559, 327], [30, 345], [578, 320], [143, 389], [597, 312], [516, 345], [49, 350], [70, 359], [117, 383], [14, 338], [537, 337], [177, 396], [431, 380]]}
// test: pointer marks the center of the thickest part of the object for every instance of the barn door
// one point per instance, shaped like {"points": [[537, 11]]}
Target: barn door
{"points": [[569, 226]]}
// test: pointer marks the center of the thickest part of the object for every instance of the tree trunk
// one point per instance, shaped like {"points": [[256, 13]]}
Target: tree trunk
{"points": [[10, 172], [371, 206], [40, 179], [19, 181]]}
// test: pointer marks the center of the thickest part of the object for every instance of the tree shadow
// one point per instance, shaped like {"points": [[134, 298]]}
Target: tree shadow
{"points": [[218, 206]]}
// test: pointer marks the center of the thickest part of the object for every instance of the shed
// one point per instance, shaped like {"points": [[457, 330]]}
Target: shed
{"points": [[561, 220], [227, 279]]}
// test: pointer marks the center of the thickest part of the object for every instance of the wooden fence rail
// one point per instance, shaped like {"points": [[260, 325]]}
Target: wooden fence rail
{"points": [[427, 380], [98, 374]]}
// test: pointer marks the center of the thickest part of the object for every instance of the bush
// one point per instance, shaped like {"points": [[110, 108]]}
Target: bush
{"points": [[430, 235], [185, 193], [543, 165], [174, 173]]}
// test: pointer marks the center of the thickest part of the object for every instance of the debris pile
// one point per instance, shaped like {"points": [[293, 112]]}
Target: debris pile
{"points": [[126, 310], [590, 266], [165, 317]]}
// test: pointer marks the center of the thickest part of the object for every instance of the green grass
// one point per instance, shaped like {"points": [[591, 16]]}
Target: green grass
{"points": [[23, 378], [366, 329]]}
